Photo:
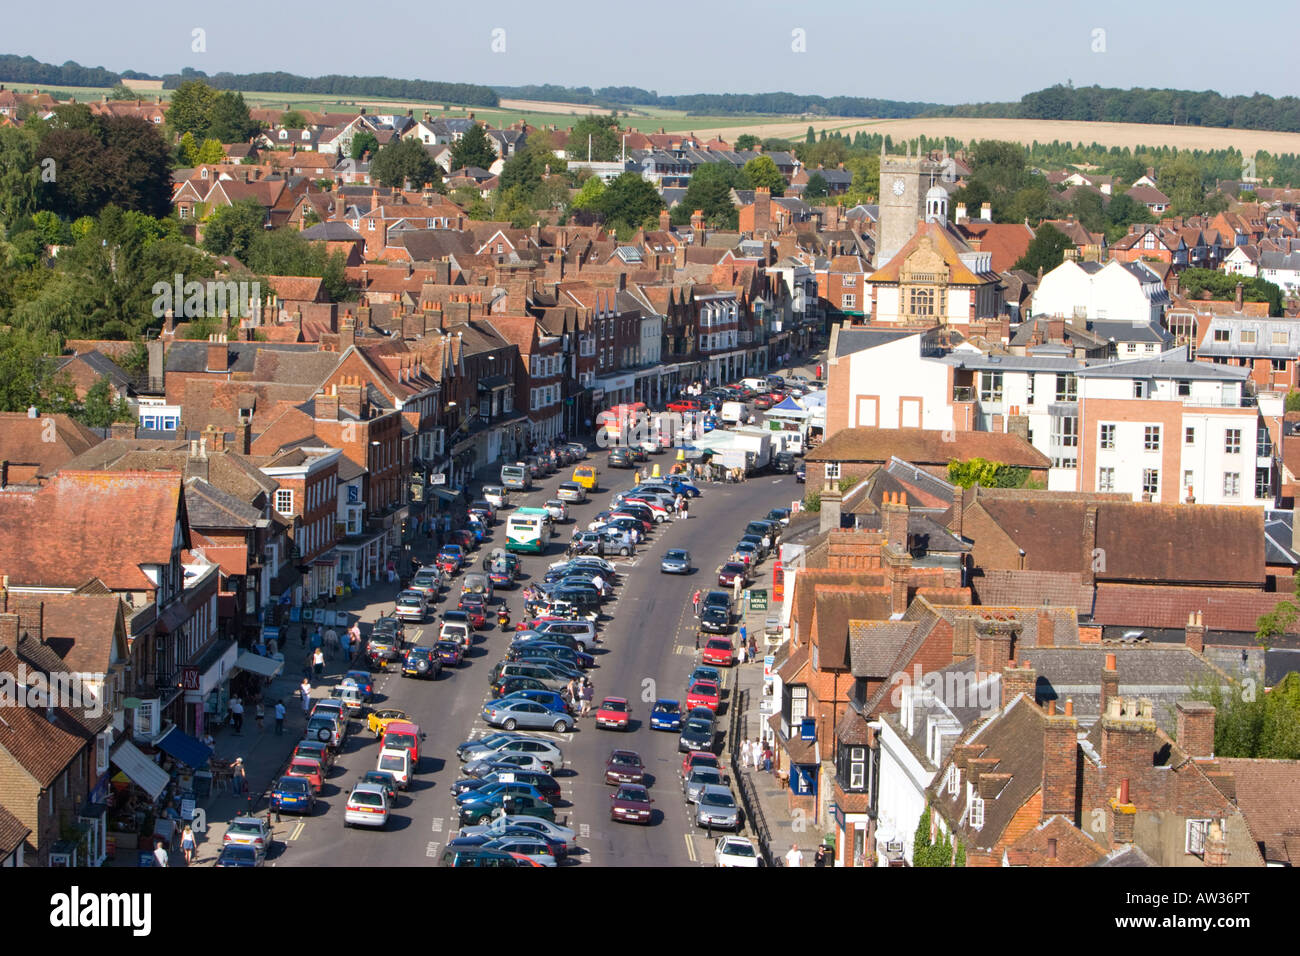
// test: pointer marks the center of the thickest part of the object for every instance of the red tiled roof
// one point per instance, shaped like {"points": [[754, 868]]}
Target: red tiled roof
{"points": [[40, 747]]}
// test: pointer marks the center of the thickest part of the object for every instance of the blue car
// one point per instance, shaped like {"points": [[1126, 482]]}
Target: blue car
{"points": [[293, 795], [666, 715], [683, 487], [547, 698]]}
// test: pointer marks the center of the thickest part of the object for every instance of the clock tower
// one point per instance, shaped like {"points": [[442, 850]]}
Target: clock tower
{"points": [[904, 181]]}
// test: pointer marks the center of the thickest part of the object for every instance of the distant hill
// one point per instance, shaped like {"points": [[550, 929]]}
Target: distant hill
{"points": [[716, 104]]}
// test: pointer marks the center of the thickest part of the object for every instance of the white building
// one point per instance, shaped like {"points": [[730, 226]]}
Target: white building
{"points": [[1089, 290], [1282, 269]]}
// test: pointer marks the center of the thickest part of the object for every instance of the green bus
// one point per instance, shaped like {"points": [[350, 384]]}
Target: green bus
{"points": [[528, 529]]}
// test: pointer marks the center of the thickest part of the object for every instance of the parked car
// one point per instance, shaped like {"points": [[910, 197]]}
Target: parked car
{"points": [[716, 809], [249, 831], [699, 778], [736, 851], [293, 794], [697, 734], [729, 572], [240, 854], [718, 650], [524, 713]]}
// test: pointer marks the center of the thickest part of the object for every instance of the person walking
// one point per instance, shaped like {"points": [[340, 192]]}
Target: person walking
{"points": [[188, 845], [587, 692], [160, 855], [260, 714], [279, 718], [794, 857], [302, 634], [305, 690], [742, 651], [823, 856], [237, 715], [746, 754], [331, 642], [696, 601], [318, 661], [686, 509], [238, 777]]}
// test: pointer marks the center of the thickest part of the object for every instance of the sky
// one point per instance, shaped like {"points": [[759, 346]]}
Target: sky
{"points": [[940, 52]]}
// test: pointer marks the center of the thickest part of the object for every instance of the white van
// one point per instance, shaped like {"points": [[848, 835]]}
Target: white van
{"points": [[497, 496], [398, 763], [757, 384], [733, 413]]}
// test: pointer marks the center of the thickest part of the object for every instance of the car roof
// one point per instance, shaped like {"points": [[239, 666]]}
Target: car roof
{"points": [[625, 753], [614, 700], [716, 788], [245, 820], [368, 786]]}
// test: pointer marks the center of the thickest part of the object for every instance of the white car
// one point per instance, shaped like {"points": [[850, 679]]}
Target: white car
{"points": [[367, 806], [397, 762], [496, 496], [455, 631], [548, 829], [735, 851], [557, 510]]}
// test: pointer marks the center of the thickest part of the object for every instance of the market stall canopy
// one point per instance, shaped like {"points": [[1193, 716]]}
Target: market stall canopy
{"points": [[146, 774], [193, 753], [257, 664]]}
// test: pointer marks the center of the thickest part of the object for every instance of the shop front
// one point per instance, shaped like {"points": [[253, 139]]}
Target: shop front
{"points": [[322, 579], [360, 561], [132, 800], [204, 682]]}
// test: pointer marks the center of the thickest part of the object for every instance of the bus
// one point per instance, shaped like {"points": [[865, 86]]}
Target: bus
{"points": [[516, 477], [528, 529]]}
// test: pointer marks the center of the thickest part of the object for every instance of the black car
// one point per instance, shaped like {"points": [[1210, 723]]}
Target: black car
{"points": [[422, 662], [697, 734], [801, 473], [715, 620], [619, 458], [544, 783], [783, 463]]}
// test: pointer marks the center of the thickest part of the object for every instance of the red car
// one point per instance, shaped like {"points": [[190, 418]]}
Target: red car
{"points": [[308, 767], [630, 803], [613, 713], [704, 693], [700, 758], [450, 559], [624, 766], [728, 573], [718, 651], [685, 405], [472, 604]]}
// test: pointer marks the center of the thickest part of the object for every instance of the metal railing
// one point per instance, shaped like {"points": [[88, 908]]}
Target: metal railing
{"points": [[748, 798]]}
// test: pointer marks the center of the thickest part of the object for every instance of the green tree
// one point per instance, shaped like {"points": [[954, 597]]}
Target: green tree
{"points": [[473, 149], [99, 410], [1181, 180], [229, 120], [230, 230], [1292, 401], [811, 135], [816, 188], [989, 474], [710, 191], [27, 373], [52, 230], [188, 149], [293, 120], [926, 852], [404, 161], [122, 92], [601, 132], [1046, 250], [120, 161], [630, 199], [190, 110], [362, 143], [20, 173], [746, 141], [589, 196], [1252, 724], [211, 152], [762, 171]]}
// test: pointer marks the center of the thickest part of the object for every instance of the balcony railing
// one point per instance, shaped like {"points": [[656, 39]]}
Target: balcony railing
{"points": [[963, 393]]}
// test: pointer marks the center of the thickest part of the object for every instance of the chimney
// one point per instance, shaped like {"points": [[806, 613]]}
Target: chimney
{"points": [[1128, 738], [218, 353], [216, 438], [1089, 545], [352, 397], [963, 636], [1109, 682], [1061, 767], [242, 438], [1194, 634], [986, 212], [1018, 425], [327, 406], [899, 571], [992, 647], [1216, 845], [894, 515], [665, 220], [1240, 297], [762, 209], [830, 508], [1056, 330], [196, 466], [697, 227], [121, 430], [347, 331], [961, 212], [1019, 679], [1196, 727], [1046, 628], [958, 512], [169, 324], [9, 630], [1123, 815]]}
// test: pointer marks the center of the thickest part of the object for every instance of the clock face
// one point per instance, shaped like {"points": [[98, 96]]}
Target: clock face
{"points": [[899, 186]]}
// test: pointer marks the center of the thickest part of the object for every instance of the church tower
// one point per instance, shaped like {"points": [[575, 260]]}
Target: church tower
{"points": [[904, 182]]}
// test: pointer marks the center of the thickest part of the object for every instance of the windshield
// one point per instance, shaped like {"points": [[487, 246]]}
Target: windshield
{"points": [[239, 852], [617, 706], [395, 740], [697, 726], [246, 829], [717, 799], [367, 798], [738, 849], [293, 784], [393, 762], [668, 707], [633, 796]]}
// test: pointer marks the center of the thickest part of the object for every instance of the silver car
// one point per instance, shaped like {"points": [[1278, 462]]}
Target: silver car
{"points": [[525, 713], [715, 809], [550, 755], [412, 606], [535, 848], [552, 831], [571, 491], [676, 561], [700, 778]]}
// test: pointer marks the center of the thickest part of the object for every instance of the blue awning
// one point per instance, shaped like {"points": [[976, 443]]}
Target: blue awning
{"points": [[193, 753]]}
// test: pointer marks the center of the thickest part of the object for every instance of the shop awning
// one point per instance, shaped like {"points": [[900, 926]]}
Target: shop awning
{"points": [[144, 773], [177, 743], [447, 495], [257, 664]]}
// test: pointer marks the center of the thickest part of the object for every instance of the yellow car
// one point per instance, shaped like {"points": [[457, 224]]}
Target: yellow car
{"points": [[585, 475], [379, 719]]}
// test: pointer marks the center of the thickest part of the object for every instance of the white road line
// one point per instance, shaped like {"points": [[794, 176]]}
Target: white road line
{"points": [[431, 850], [584, 831], [437, 824]]}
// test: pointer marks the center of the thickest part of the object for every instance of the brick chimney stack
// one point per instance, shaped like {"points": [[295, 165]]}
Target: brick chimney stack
{"points": [[1216, 845], [899, 570], [352, 397], [894, 514], [762, 209], [1046, 628], [1194, 633], [1089, 544], [1128, 738], [665, 220], [1019, 679], [1196, 727], [993, 641], [1061, 766], [327, 406], [1123, 815], [697, 227], [963, 636], [218, 353], [1109, 682]]}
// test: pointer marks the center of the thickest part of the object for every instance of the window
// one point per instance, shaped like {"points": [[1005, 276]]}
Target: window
{"points": [[1106, 479], [1232, 441], [1188, 481], [990, 386], [1065, 438], [1263, 483], [857, 768], [1231, 484], [921, 302], [370, 223], [1151, 481], [1281, 337], [1067, 387], [1151, 438], [1148, 241], [976, 813], [1183, 388], [848, 301], [1263, 441], [1247, 336], [284, 501], [1029, 389], [1107, 436], [798, 705], [850, 282], [832, 469], [1278, 365], [1189, 435], [954, 779], [1196, 833], [1222, 335], [1140, 389]]}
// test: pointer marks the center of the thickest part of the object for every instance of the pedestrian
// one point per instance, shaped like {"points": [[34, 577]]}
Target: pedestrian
{"points": [[744, 636], [636, 477], [305, 690], [160, 855], [318, 661], [332, 642], [208, 741], [237, 715], [587, 692], [696, 601], [686, 509], [794, 857], [237, 777], [823, 857], [767, 756], [260, 713], [743, 649], [753, 648], [279, 718], [317, 639], [302, 634], [746, 754], [677, 505], [188, 845]]}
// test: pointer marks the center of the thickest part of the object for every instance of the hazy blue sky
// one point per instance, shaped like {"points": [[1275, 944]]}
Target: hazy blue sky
{"points": [[938, 52]]}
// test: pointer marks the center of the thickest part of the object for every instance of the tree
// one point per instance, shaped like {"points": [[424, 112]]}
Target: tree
{"points": [[927, 853], [229, 120], [99, 410], [121, 92], [630, 199], [190, 110], [211, 152], [989, 474], [1046, 250], [762, 171], [293, 120], [188, 150], [589, 196], [404, 161], [1292, 401], [746, 141], [230, 230], [816, 188], [363, 142], [710, 191], [20, 173], [27, 373], [473, 149], [602, 132], [118, 160], [811, 135], [1248, 723]]}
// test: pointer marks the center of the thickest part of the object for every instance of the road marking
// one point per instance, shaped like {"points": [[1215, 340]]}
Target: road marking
{"points": [[690, 848], [431, 849], [297, 830], [437, 824], [584, 830]]}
